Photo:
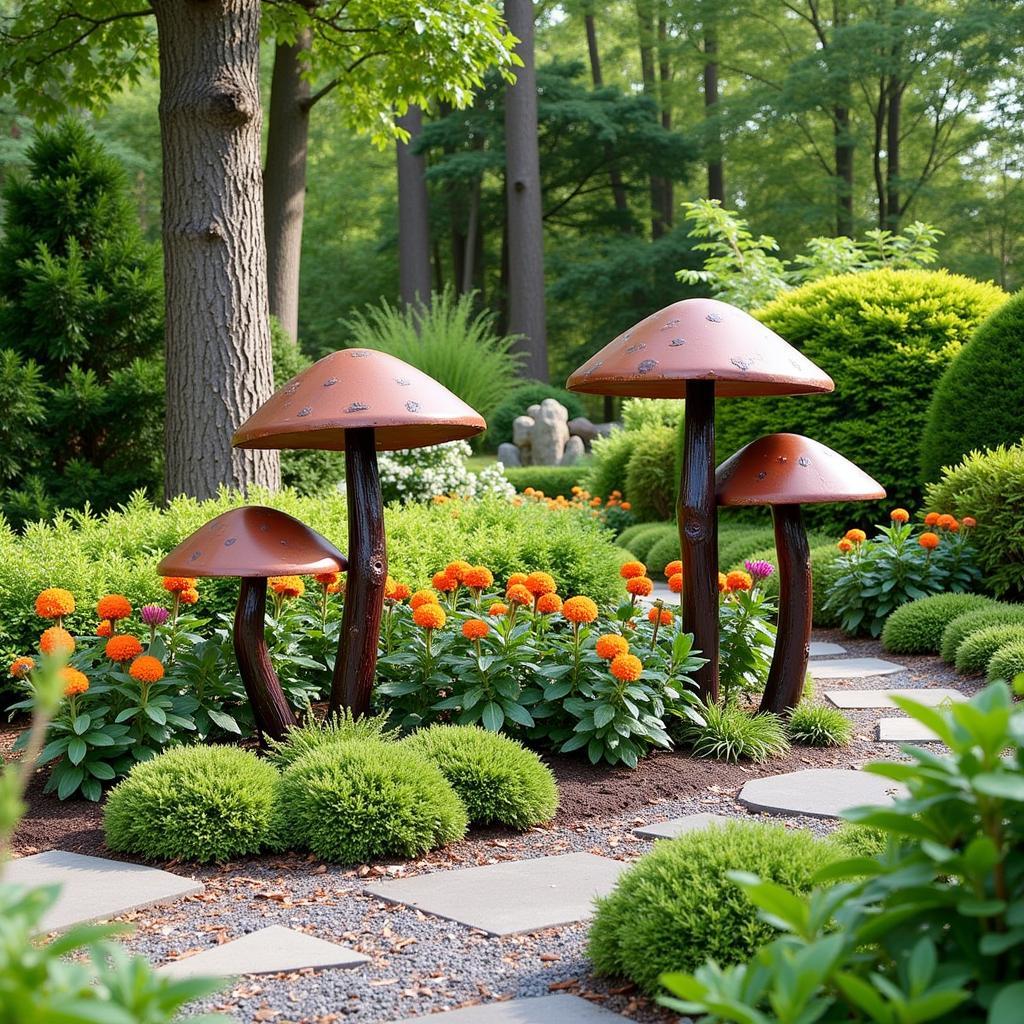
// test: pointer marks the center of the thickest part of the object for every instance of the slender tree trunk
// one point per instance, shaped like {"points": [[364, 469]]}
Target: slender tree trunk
{"points": [[645, 16], [215, 262], [284, 178], [844, 171], [892, 155], [526, 310], [473, 247], [614, 176], [665, 92], [413, 214], [716, 170], [878, 116]]}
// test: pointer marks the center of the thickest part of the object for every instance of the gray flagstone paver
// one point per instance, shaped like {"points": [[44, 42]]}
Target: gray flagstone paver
{"points": [[826, 649], [557, 1009], [677, 826], [852, 668], [817, 792], [861, 699], [905, 730]]}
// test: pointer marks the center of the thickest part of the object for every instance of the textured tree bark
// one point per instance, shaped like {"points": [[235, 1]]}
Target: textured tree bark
{"points": [[269, 707], [716, 171], [413, 215], [526, 308], [664, 98], [284, 178], [697, 513], [354, 670], [892, 154], [645, 17], [785, 684], [215, 269], [844, 171]]}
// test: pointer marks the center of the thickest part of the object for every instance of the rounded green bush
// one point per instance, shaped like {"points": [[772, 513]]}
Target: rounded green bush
{"points": [[354, 801], [973, 654], [651, 482], [732, 734], [1008, 662], [917, 626], [609, 458], [625, 539], [517, 400], [855, 840], [733, 553], [643, 543], [971, 622], [816, 725], [664, 551], [193, 803], [315, 733], [498, 779], [675, 908], [982, 375]]}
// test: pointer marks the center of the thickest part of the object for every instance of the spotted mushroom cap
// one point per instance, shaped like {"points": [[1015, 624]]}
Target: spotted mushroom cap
{"points": [[253, 541], [789, 469], [359, 387], [699, 339]]}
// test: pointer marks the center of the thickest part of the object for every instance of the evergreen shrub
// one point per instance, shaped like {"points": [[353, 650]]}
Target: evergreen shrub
{"points": [[314, 733], [1008, 662], [975, 651], [917, 626], [627, 536], [609, 462], [971, 622], [664, 551], [552, 480], [651, 483], [643, 543]]}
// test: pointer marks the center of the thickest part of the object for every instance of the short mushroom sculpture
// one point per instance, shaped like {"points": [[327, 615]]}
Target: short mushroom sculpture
{"points": [[255, 543], [699, 349], [786, 471], [360, 401]]}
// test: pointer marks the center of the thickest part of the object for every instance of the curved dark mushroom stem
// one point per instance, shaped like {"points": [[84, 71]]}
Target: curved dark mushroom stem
{"points": [[270, 708], [354, 670], [785, 684], [697, 513]]}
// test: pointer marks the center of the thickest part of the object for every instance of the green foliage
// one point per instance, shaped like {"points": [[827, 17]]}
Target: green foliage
{"points": [[732, 734], [677, 906], [358, 800], [631, 532], [816, 725], [990, 486], [1008, 662], [826, 568], [643, 542], [741, 545], [516, 399], [609, 463], [975, 650], [651, 483], [193, 803], [963, 626], [314, 733], [746, 641], [926, 929], [918, 627], [664, 551], [498, 779], [552, 480], [859, 840], [437, 341], [641, 413], [981, 376]]}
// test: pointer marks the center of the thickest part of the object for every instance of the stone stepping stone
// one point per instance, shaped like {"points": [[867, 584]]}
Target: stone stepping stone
{"points": [[817, 792], [94, 888], [860, 699], [270, 950], [678, 826], [826, 649], [852, 668], [557, 1009], [905, 730], [511, 897]]}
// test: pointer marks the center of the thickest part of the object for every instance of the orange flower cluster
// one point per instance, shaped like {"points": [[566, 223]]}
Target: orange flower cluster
{"points": [[178, 584], [640, 586], [497, 609], [146, 669], [475, 629], [123, 648], [928, 540], [479, 577], [105, 628], [287, 586], [21, 667], [626, 667], [580, 499], [422, 597], [395, 591], [663, 619], [75, 682], [738, 580], [673, 569], [429, 616], [57, 642], [579, 610], [675, 583], [113, 607], [55, 603], [540, 583], [856, 536], [632, 570], [899, 515], [549, 604], [518, 594]]}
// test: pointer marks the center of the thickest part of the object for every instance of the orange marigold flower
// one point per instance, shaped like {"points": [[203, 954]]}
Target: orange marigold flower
{"points": [[146, 669], [422, 597], [123, 648], [327, 579], [738, 580], [517, 579], [968, 521], [846, 546], [529, 492], [55, 603], [443, 582], [580, 609], [549, 604], [75, 682], [899, 515], [673, 569], [478, 577], [331, 588], [389, 588], [56, 641], [627, 667], [538, 583], [21, 667], [929, 541], [948, 522], [498, 608], [429, 616], [722, 585], [176, 584], [190, 596], [475, 629], [665, 618], [625, 506], [457, 570], [856, 536], [611, 645], [105, 628], [287, 586], [630, 570], [113, 606], [931, 519], [640, 586], [675, 583], [519, 595], [402, 591]]}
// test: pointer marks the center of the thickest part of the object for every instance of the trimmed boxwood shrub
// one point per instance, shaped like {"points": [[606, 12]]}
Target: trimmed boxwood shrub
{"points": [[973, 654], [193, 803], [855, 840], [498, 779], [552, 480], [643, 543], [816, 725], [515, 403], [354, 801], [984, 375], [625, 539], [675, 908], [651, 482], [917, 626], [964, 625], [1008, 662], [666, 550], [742, 546]]}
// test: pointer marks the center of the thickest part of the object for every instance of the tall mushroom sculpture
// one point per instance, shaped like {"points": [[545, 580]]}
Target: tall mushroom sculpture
{"points": [[786, 471], [255, 543], [700, 350], [360, 401]]}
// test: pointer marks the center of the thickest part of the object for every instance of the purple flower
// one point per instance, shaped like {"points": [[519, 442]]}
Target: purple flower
{"points": [[760, 570], [153, 615]]}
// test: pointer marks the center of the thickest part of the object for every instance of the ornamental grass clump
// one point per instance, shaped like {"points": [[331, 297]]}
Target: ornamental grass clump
{"points": [[731, 734], [498, 779], [358, 800], [315, 733], [972, 622], [209, 803], [918, 627], [972, 656], [676, 906], [815, 725]]}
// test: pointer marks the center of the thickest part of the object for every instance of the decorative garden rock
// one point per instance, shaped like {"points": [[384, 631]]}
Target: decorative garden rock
{"points": [[522, 431], [508, 454], [550, 433], [574, 450], [587, 431]]}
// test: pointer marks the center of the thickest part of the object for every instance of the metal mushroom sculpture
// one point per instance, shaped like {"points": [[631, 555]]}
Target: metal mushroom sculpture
{"points": [[786, 471], [700, 350], [360, 401], [254, 544]]}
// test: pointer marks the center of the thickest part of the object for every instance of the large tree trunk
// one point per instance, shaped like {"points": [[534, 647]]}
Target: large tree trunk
{"points": [[844, 171], [664, 97], [645, 17], [215, 260], [284, 178], [413, 214], [618, 189], [716, 171], [892, 155], [526, 312]]}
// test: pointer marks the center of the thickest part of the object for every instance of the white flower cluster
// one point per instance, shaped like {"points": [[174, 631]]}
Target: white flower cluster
{"points": [[421, 474]]}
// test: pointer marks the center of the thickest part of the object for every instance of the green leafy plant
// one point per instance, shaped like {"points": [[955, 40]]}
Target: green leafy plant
{"points": [[746, 641], [972, 621], [641, 413], [974, 652], [193, 803], [917, 627], [651, 480], [815, 725], [610, 457], [498, 779], [730, 733], [314, 733], [643, 542]]}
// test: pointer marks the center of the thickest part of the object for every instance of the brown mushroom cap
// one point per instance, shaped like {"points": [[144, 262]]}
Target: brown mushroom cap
{"points": [[253, 541], [359, 387], [789, 469], [699, 339]]}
